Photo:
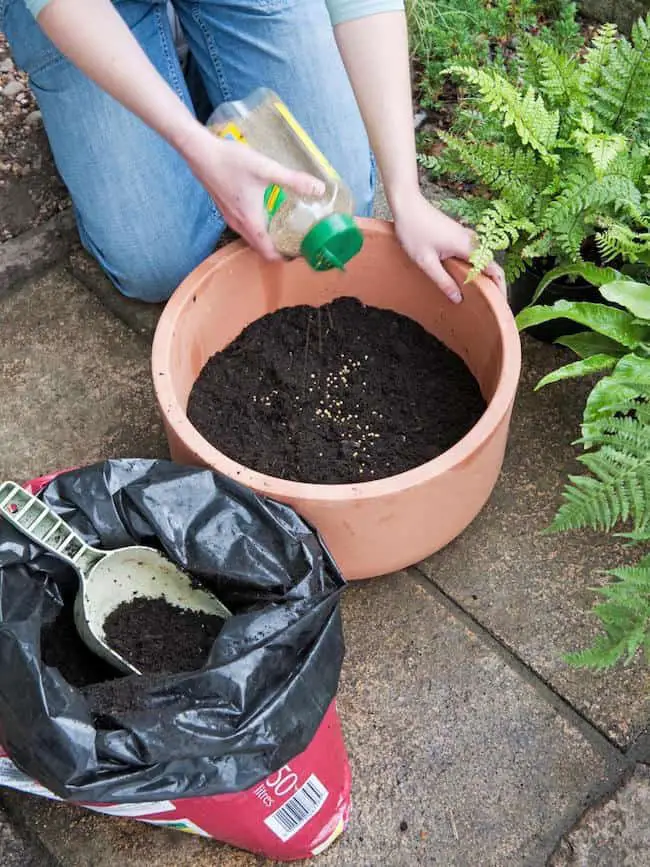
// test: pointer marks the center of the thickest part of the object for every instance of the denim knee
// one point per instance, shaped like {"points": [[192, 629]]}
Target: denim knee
{"points": [[150, 269]]}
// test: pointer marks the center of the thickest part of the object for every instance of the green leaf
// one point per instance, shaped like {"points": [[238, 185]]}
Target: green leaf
{"points": [[586, 367], [592, 273], [613, 323], [615, 393], [634, 296], [631, 368], [588, 343]]}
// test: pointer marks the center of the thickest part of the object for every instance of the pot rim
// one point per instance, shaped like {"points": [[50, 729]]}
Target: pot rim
{"points": [[272, 486]]}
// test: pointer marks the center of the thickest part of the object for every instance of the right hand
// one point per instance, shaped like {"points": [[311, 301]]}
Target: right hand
{"points": [[236, 177]]}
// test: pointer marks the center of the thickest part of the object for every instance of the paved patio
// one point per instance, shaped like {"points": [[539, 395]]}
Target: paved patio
{"points": [[471, 741]]}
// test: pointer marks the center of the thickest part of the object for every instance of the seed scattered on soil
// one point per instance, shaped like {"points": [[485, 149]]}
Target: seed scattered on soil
{"points": [[378, 379]]}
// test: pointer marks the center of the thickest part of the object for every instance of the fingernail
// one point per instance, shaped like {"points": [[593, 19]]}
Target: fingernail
{"points": [[456, 297], [318, 188]]}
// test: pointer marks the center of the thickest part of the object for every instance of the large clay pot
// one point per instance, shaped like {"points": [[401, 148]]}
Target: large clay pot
{"points": [[376, 527]]}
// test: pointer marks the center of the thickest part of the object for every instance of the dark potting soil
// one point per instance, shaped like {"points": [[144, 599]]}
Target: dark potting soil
{"points": [[158, 637], [62, 648], [108, 692], [341, 393], [122, 696]]}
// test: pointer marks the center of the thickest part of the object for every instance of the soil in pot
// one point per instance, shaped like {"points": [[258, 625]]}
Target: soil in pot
{"points": [[337, 394]]}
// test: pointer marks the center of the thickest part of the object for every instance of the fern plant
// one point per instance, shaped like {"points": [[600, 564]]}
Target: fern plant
{"points": [[479, 32], [562, 152], [614, 493]]}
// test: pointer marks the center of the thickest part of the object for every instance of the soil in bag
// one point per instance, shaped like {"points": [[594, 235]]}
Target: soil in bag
{"points": [[157, 637], [161, 638], [261, 697], [336, 394]]}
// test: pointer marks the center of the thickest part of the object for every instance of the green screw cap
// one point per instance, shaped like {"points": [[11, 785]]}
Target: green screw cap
{"points": [[332, 242]]}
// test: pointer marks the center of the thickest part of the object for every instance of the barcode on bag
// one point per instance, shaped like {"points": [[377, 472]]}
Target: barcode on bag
{"points": [[298, 810]]}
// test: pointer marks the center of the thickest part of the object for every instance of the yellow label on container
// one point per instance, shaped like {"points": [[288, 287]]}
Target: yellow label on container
{"points": [[306, 141], [231, 131]]}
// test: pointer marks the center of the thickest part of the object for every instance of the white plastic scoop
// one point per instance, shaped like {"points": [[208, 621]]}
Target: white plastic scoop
{"points": [[106, 578]]}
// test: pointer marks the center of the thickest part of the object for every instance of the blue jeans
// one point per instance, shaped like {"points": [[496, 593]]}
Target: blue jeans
{"points": [[139, 209]]}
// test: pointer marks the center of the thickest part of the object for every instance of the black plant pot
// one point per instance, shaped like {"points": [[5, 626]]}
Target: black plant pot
{"points": [[520, 294]]}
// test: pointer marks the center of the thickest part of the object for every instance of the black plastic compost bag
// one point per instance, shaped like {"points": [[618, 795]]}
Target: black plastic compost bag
{"points": [[271, 674]]}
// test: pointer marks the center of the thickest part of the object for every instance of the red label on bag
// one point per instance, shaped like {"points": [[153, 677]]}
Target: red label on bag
{"points": [[294, 813]]}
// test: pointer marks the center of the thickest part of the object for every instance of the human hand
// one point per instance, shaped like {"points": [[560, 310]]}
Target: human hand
{"points": [[236, 177], [429, 237]]}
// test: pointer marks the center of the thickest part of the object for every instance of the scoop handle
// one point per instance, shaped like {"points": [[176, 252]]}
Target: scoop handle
{"points": [[31, 517]]}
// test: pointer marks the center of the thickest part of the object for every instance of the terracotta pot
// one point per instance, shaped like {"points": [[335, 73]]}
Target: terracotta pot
{"points": [[376, 527]]}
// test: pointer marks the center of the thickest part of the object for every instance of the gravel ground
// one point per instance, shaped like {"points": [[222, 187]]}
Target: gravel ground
{"points": [[14, 852], [30, 189]]}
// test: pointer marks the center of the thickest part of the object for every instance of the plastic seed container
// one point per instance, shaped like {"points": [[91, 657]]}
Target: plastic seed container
{"points": [[323, 230]]}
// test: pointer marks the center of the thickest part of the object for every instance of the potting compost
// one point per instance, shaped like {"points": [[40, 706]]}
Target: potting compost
{"points": [[337, 394], [247, 746], [158, 637]]}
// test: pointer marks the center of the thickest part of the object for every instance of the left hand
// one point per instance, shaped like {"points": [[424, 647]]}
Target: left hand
{"points": [[429, 237]]}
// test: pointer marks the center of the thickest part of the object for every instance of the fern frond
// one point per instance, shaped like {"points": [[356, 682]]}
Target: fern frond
{"points": [[431, 163], [625, 617], [556, 76], [497, 229], [497, 166], [597, 57], [620, 100], [469, 210], [573, 214], [615, 492], [539, 248], [617, 240], [616, 430], [515, 260], [534, 123], [603, 149]]}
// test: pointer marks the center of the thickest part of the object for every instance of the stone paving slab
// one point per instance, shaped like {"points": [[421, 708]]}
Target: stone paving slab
{"points": [[457, 760], [449, 738], [36, 250], [75, 382], [615, 833], [16, 852], [533, 591]]}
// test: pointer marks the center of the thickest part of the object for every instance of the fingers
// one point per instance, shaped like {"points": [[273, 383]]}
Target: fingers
{"points": [[259, 239], [496, 273], [434, 268], [299, 182], [252, 228]]}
